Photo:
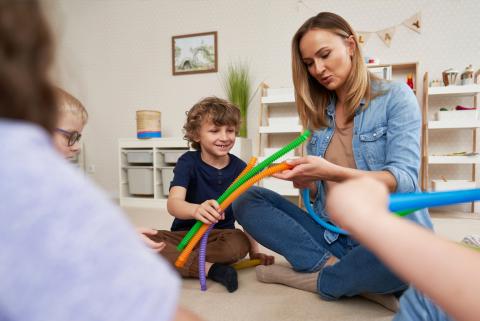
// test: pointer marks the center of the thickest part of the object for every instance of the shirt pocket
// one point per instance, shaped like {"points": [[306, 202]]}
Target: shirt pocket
{"points": [[312, 147], [373, 146]]}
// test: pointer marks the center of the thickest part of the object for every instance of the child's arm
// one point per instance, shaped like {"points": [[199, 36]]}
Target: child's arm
{"points": [[144, 232], [208, 212], [255, 253], [445, 272]]}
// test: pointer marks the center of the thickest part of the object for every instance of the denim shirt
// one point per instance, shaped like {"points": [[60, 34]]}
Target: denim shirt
{"points": [[386, 137]]}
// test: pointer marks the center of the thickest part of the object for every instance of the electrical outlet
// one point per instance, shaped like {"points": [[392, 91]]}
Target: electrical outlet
{"points": [[91, 168]]}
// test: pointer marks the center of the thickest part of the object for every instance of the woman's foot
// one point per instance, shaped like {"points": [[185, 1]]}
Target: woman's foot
{"points": [[225, 275], [388, 301], [285, 275]]}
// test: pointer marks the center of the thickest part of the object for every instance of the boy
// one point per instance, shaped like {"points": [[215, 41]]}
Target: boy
{"points": [[72, 118], [200, 177]]}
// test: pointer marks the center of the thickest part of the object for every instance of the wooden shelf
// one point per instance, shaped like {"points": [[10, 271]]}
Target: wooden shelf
{"points": [[279, 129], [278, 96], [467, 90], [444, 124], [454, 159]]}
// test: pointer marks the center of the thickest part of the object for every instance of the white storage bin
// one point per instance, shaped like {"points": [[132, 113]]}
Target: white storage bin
{"points": [[172, 156], [457, 115], [139, 156], [140, 180], [441, 185], [167, 177]]}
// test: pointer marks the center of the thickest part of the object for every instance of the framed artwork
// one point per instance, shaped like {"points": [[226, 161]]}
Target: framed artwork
{"points": [[194, 53]]}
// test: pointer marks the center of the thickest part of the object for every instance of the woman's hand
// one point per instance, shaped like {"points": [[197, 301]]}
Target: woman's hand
{"points": [[309, 169]]}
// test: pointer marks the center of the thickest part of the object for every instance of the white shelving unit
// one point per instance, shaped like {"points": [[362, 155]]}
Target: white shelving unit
{"points": [[397, 72], [146, 169], [466, 124], [278, 125]]}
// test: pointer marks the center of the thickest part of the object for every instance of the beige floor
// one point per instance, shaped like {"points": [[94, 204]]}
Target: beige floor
{"points": [[264, 302]]}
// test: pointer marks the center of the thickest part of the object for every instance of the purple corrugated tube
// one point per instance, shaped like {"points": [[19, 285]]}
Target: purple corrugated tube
{"points": [[201, 259]]}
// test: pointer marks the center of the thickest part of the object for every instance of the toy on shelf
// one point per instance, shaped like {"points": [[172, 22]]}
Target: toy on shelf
{"points": [[466, 77], [410, 81], [449, 77]]}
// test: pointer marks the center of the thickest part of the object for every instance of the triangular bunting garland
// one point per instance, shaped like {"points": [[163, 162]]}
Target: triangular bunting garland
{"points": [[414, 22], [386, 35], [363, 37]]}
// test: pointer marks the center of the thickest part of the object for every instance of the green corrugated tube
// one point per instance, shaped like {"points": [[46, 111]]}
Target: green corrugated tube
{"points": [[285, 149]]}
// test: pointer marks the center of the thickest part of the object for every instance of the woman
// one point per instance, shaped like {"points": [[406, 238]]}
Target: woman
{"points": [[362, 126]]}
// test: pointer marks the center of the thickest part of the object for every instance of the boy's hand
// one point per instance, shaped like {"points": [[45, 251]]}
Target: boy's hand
{"points": [[209, 212], [144, 232], [357, 201], [264, 258]]}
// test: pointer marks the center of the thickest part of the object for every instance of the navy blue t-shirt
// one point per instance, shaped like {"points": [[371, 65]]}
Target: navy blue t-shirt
{"points": [[204, 182]]}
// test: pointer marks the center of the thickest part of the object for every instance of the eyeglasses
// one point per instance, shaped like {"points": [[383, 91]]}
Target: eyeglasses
{"points": [[72, 137]]}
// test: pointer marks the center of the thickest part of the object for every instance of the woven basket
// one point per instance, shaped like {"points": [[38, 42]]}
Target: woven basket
{"points": [[148, 124]]}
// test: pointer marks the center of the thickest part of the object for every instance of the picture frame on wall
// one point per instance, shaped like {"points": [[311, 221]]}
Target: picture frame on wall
{"points": [[194, 53]]}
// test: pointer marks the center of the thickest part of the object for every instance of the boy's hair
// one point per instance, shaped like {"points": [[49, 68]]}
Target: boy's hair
{"points": [[71, 105], [219, 111]]}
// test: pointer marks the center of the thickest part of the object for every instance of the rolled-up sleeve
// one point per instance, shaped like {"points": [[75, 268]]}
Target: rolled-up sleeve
{"points": [[403, 138]]}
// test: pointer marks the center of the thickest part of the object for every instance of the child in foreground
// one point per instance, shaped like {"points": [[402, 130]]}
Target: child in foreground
{"points": [[200, 177], [440, 269]]}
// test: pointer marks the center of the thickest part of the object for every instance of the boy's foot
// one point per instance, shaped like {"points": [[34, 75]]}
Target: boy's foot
{"points": [[388, 301], [225, 275]]}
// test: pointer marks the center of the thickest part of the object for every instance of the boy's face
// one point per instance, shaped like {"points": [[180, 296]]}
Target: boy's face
{"points": [[68, 125], [216, 141]]}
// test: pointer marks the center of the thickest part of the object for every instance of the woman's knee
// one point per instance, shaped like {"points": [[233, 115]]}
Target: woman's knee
{"points": [[244, 201]]}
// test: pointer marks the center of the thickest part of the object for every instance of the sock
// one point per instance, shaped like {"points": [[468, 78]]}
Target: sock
{"points": [[284, 275], [225, 275], [388, 301]]}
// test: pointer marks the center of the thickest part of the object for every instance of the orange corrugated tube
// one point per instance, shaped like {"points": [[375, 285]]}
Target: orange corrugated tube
{"points": [[251, 163], [183, 257], [267, 172]]}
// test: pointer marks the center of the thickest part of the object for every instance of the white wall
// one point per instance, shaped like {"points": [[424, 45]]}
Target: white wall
{"points": [[115, 55]]}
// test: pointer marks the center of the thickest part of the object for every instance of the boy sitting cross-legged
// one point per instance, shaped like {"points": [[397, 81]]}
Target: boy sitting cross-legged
{"points": [[200, 177]]}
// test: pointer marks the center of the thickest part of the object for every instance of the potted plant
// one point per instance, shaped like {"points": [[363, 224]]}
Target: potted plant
{"points": [[237, 86]]}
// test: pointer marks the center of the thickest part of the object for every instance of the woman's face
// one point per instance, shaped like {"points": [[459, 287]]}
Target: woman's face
{"points": [[328, 57]]}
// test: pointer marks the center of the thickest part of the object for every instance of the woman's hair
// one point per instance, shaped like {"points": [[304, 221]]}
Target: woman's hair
{"points": [[311, 97], [26, 51], [219, 111], [71, 105]]}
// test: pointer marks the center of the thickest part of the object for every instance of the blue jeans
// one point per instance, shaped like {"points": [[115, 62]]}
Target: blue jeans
{"points": [[283, 227], [415, 306]]}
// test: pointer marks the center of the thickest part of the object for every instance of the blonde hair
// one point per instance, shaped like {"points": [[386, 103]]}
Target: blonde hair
{"points": [[68, 104], [219, 111], [311, 97]]}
